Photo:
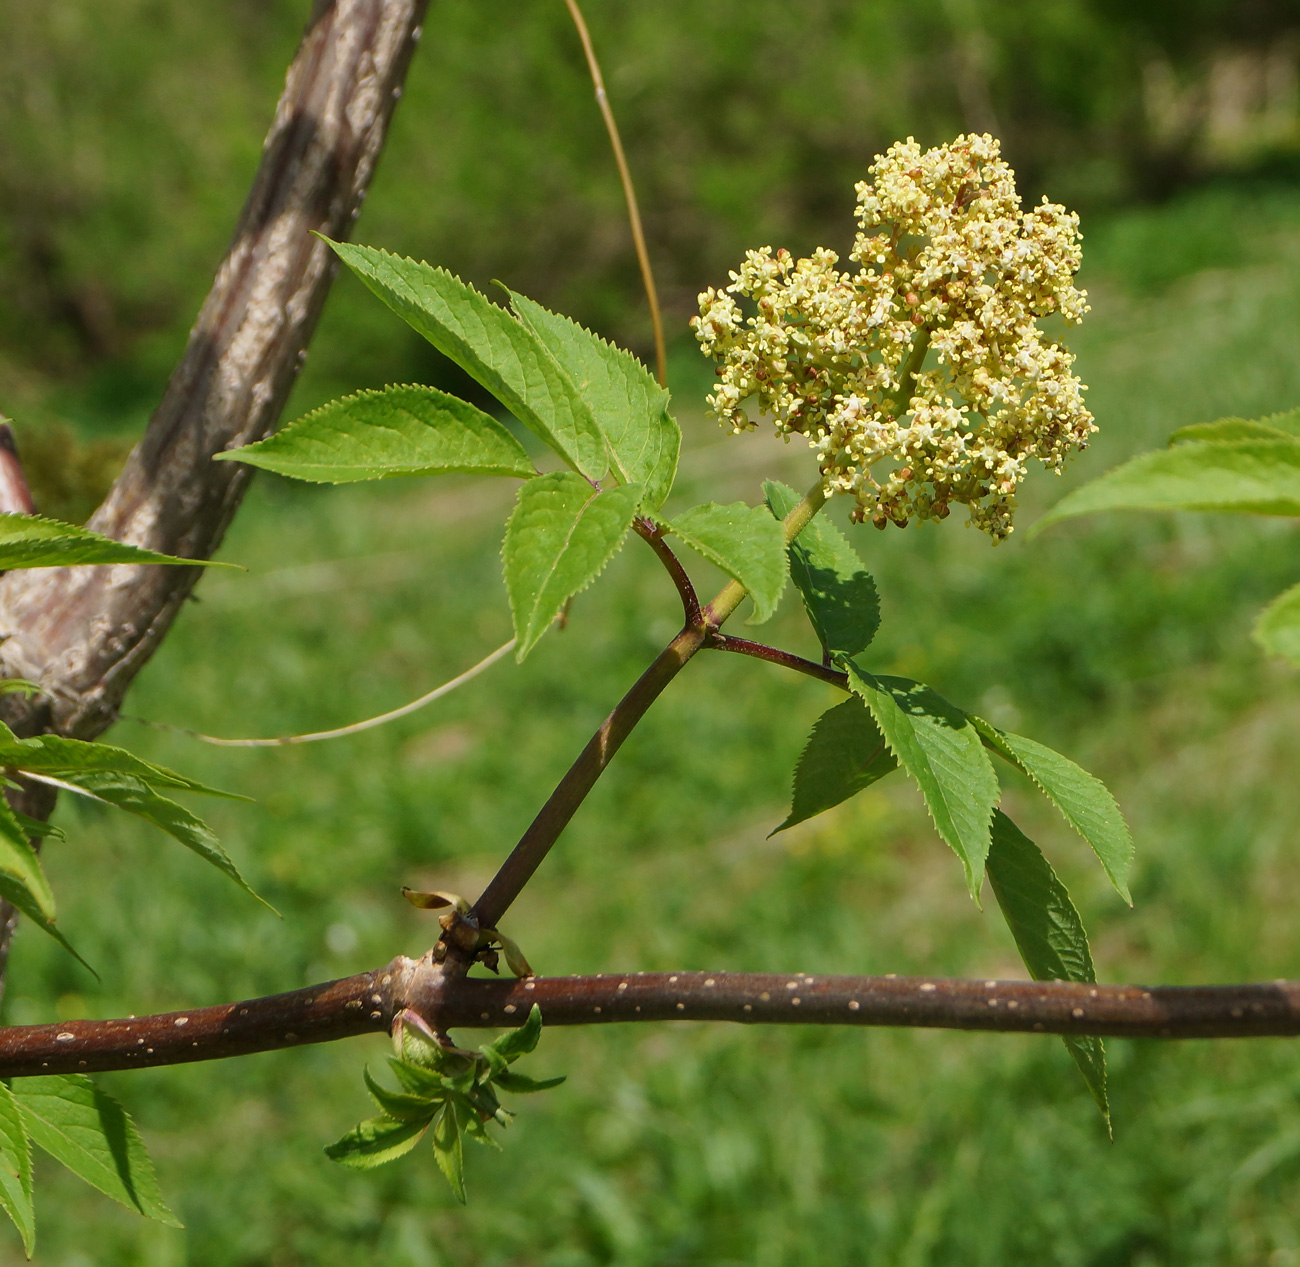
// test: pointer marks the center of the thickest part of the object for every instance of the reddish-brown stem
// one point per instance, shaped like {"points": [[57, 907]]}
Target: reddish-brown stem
{"points": [[318, 1014], [653, 535], [368, 1002], [774, 655], [581, 777]]}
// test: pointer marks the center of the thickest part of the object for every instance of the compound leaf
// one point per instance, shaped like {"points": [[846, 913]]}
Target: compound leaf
{"points": [[93, 1136], [28, 541], [627, 403], [938, 746], [561, 534], [845, 753], [745, 542], [380, 434], [491, 345], [1048, 932], [1083, 799], [838, 592]]}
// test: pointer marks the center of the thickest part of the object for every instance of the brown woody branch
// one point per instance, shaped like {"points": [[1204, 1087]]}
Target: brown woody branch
{"points": [[367, 1003], [84, 633]]}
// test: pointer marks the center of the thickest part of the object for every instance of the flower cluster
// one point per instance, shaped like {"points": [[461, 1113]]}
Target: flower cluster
{"points": [[929, 357]]}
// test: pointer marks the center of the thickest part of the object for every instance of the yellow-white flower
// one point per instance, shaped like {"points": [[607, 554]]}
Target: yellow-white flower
{"points": [[923, 378]]}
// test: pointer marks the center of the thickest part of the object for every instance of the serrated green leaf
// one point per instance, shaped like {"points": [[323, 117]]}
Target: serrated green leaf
{"points": [[1259, 477], [449, 1150], [375, 1141], [134, 795], [838, 593], [491, 345], [1278, 628], [37, 828], [19, 898], [19, 863], [418, 1079], [477, 1130], [1226, 430], [484, 1101], [1287, 422], [403, 1107], [1048, 932], [22, 881], [519, 1042], [28, 541], [745, 542], [16, 1169], [521, 1084], [381, 434], [1083, 799], [627, 403], [494, 1064], [16, 897], [94, 1137], [1274, 427], [938, 746], [55, 755], [845, 753], [562, 533]]}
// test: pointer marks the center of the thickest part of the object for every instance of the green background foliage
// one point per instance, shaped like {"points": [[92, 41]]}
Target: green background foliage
{"points": [[132, 129]]}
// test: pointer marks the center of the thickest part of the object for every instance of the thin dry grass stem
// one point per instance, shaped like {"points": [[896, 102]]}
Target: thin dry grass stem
{"points": [[356, 727], [625, 175]]}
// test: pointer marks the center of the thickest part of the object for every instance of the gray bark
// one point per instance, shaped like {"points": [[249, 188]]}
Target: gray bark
{"points": [[84, 633]]}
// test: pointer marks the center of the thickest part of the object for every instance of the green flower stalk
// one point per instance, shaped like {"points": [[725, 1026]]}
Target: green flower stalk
{"points": [[922, 379]]}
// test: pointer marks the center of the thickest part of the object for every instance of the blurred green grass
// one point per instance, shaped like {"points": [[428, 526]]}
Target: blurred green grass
{"points": [[1124, 642], [131, 130]]}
